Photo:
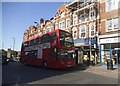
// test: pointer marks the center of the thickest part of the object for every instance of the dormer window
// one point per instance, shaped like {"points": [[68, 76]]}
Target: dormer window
{"points": [[38, 30], [62, 14], [31, 31], [52, 28], [48, 29]]}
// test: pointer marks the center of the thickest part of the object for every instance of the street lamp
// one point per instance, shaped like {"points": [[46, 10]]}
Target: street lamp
{"points": [[90, 43], [13, 43]]}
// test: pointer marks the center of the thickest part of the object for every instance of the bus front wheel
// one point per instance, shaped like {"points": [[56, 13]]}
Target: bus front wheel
{"points": [[44, 65]]}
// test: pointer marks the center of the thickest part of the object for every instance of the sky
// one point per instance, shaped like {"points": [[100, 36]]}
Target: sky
{"points": [[18, 16], [0, 24]]}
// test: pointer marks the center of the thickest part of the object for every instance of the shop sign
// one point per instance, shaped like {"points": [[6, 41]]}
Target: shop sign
{"points": [[87, 41], [110, 40], [78, 41]]}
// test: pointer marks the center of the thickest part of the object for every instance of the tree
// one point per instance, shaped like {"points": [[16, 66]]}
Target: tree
{"points": [[14, 53], [3, 52]]}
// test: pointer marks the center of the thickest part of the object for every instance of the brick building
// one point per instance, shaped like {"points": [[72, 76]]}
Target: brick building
{"points": [[93, 23], [29, 33], [49, 26], [85, 26], [26, 35], [34, 31], [95, 26], [62, 19], [110, 30]]}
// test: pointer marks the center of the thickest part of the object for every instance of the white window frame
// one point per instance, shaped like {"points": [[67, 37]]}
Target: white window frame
{"points": [[114, 5], [52, 28], [107, 5], [73, 32], [31, 31], [62, 14], [80, 31], [56, 24], [38, 30], [67, 24], [48, 29], [92, 29], [81, 16], [109, 28], [61, 25], [117, 20], [91, 12], [113, 28], [75, 19], [44, 31]]}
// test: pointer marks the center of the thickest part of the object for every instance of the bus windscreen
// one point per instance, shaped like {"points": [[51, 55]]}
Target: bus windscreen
{"points": [[66, 39]]}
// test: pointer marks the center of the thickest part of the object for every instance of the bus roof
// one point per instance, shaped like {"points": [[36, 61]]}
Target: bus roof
{"points": [[44, 34]]}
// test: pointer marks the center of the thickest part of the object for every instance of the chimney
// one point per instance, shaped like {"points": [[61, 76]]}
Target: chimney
{"points": [[41, 22]]}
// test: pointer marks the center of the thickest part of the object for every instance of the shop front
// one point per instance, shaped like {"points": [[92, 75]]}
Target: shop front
{"points": [[86, 49], [109, 50], [79, 43]]}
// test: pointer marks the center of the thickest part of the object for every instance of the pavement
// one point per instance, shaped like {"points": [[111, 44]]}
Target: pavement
{"points": [[102, 70], [15, 73]]}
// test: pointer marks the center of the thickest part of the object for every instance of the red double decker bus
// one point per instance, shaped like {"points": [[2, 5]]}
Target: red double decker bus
{"points": [[54, 50]]}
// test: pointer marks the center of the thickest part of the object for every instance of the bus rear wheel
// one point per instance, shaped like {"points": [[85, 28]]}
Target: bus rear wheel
{"points": [[44, 65]]}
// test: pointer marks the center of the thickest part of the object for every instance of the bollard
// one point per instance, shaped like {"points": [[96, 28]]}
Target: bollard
{"points": [[109, 65]]}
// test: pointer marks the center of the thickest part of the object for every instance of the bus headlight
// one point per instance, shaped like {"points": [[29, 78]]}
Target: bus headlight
{"points": [[74, 55], [7, 60]]}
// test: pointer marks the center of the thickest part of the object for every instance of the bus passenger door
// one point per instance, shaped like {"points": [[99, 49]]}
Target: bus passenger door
{"points": [[39, 53], [39, 56]]}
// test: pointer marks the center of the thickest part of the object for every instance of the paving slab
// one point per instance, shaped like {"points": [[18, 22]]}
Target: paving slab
{"points": [[102, 70]]}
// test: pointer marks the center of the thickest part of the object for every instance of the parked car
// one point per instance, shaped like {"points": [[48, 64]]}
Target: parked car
{"points": [[5, 60], [11, 59]]}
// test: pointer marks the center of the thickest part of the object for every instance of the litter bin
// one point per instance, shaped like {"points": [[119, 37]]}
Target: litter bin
{"points": [[109, 65]]}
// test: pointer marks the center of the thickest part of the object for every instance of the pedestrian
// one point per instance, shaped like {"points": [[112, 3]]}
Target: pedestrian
{"points": [[114, 58], [92, 60], [85, 59], [88, 61]]}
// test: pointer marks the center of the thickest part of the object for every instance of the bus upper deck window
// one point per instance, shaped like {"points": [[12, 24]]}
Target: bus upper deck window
{"points": [[26, 43], [38, 40], [32, 42], [54, 36], [46, 38]]}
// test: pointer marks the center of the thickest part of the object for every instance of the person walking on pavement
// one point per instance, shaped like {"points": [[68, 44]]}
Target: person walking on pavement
{"points": [[85, 59], [92, 60], [88, 60]]}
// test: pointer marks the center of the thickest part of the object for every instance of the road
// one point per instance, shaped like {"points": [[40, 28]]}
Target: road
{"points": [[119, 74], [16, 73]]}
